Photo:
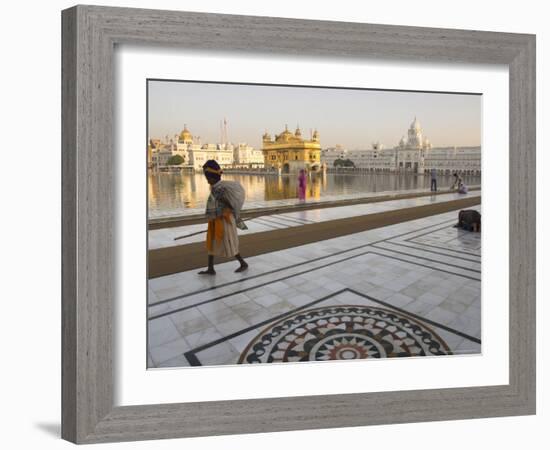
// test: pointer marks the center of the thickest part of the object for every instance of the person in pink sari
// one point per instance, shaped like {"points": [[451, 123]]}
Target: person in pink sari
{"points": [[302, 184]]}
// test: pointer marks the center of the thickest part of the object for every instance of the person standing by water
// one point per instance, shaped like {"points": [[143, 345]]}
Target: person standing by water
{"points": [[433, 185], [223, 213], [302, 185]]}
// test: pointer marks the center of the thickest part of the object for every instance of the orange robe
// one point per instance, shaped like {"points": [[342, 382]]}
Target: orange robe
{"points": [[221, 237]]}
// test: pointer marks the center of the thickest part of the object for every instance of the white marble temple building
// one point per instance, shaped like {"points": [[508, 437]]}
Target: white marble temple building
{"points": [[413, 153], [194, 153], [245, 155]]}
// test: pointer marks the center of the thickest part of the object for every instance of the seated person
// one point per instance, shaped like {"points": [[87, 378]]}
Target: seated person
{"points": [[469, 220], [462, 188]]}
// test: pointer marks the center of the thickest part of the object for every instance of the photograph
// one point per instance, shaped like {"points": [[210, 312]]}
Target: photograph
{"points": [[257, 225], [310, 223]]}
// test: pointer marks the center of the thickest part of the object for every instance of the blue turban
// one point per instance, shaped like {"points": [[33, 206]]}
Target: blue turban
{"points": [[212, 170]]}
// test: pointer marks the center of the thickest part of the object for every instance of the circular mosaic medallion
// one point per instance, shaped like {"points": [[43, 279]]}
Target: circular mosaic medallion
{"points": [[343, 332]]}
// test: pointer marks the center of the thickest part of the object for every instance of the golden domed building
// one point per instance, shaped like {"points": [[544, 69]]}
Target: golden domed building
{"points": [[289, 152], [185, 136]]}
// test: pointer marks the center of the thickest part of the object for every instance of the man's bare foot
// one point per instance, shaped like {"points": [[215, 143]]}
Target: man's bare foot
{"points": [[207, 272], [242, 268]]}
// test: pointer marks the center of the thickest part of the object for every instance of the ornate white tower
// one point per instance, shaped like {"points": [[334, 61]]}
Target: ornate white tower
{"points": [[415, 135]]}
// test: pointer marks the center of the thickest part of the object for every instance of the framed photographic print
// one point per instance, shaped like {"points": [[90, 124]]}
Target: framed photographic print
{"points": [[293, 207]]}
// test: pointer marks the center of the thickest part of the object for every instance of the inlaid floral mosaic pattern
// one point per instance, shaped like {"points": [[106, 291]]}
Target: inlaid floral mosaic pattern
{"points": [[343, 332]]}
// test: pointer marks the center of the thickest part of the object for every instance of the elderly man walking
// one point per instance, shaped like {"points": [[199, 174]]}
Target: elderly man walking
{"points": [[223, 213]]}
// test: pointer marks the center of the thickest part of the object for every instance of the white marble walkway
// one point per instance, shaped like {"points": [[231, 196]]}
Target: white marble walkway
{"points": [[164, 237], [424, 273]]}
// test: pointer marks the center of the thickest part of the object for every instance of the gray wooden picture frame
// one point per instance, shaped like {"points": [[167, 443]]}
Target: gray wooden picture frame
{"points": [[89, 36]]}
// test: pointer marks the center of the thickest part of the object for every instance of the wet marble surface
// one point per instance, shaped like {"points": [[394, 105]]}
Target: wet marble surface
{"points": [[164, 237], [421, 274]]}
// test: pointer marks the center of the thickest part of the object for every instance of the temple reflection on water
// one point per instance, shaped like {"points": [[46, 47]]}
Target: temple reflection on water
{"points": [[172, 191]]}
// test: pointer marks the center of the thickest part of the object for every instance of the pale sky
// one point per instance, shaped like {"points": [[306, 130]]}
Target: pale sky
{"points": [[354, 118]]}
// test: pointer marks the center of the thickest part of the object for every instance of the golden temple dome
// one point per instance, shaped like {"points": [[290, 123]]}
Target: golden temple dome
{"points": [[298, 132], [185, 135], [286, 132], [285, 136]]}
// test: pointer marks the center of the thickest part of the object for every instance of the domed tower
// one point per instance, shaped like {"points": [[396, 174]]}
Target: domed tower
{"points": [[415, 134], [315, 137], [402, 142], [185, 136], [285, 136], [298, 132]]}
